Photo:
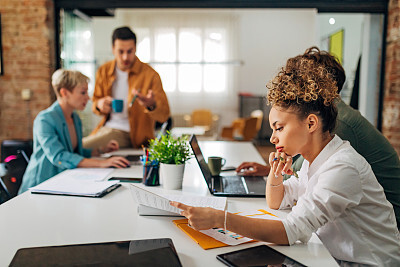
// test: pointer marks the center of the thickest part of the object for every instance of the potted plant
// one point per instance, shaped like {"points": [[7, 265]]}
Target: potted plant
{"points": [[172, 153]]}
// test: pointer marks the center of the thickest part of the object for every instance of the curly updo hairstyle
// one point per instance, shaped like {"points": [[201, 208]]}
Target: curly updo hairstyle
{"points": [[307, 87]]}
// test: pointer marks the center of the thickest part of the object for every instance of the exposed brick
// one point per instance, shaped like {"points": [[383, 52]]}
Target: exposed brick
{"points": [[28, 62]]}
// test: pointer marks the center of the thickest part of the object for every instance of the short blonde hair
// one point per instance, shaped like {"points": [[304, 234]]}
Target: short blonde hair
{"points": [[67, 79]]}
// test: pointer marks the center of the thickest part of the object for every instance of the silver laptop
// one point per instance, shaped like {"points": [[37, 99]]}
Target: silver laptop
{"points": [[228, 186]]}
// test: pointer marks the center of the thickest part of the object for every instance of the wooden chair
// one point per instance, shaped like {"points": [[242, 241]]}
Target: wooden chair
{"points": [[242, 129], [259, 114], [204, 118]]}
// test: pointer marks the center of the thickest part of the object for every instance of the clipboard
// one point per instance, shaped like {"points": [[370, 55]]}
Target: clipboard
{"points": [[204, 241]]}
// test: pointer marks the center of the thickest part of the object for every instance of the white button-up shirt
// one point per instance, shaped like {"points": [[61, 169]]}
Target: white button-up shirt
{"points": [[339, 198]]}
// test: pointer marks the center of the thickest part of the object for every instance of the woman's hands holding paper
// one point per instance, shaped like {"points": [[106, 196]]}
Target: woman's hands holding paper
{"points": [[201, 218]]}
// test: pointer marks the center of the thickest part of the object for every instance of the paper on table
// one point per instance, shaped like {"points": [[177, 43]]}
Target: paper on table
{"points": [[88, 174], [147, 198], [231, 238]]}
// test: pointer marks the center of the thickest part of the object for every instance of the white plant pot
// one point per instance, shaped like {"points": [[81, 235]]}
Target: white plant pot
{"points": [[171, 175]]}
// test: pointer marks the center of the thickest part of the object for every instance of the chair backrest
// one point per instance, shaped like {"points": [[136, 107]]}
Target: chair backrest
{"points": [[259, 114], [4, 194], [15, 166], [202, 117], [166, 126], [250, 128]]}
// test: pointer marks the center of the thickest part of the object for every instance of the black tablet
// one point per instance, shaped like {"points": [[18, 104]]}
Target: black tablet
{"points": [[148, 252], [262, 255]]}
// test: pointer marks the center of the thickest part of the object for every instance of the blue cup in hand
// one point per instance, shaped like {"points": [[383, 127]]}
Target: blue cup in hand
{"points": [[117, 105]]}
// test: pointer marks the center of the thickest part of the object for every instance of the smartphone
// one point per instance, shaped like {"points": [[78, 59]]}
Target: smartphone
{"points": [[261, 255], [127, 179]]}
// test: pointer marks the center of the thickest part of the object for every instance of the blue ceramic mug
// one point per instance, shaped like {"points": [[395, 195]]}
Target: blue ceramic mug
{"points": [[117, 105]]}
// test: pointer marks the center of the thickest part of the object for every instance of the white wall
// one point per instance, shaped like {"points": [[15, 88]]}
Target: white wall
{"points": [[353, 28], [265, 38]]}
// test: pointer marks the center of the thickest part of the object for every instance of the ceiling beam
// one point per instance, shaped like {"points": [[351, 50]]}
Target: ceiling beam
{"points": [[356, 6]]}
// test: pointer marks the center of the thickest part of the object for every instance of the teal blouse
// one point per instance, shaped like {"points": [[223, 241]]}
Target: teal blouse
{"points": [[52, 147]]}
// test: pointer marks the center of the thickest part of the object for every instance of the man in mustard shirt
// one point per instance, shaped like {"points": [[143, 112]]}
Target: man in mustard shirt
{"points": [[140, 88]]}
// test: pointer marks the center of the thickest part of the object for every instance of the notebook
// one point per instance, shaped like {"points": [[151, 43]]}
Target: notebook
{"points": [[228, 186], [75, 187]]}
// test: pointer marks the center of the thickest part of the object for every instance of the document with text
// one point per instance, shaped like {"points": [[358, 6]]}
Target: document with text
{"points": [[155, 204]]}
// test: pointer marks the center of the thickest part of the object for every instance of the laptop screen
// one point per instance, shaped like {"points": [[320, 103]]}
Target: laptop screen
{"points": [[200, 159]]}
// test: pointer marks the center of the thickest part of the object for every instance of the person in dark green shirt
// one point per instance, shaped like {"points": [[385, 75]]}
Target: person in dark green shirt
{"points": [[362, 135]]}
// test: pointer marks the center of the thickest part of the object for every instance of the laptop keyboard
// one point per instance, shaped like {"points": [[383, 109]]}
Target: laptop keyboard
{"points": [[233, 185]]}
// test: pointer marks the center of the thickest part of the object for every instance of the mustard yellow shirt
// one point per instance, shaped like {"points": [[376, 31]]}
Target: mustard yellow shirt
{"points": [[141, 120]]}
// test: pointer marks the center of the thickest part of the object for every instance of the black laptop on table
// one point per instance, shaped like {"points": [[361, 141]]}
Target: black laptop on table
{"points": [[228, 186]]}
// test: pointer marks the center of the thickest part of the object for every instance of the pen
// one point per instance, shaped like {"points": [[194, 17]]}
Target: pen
{"points": [[133, 99]]}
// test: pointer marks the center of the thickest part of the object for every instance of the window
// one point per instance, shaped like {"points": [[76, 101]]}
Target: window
{"points": [[188, 59]]}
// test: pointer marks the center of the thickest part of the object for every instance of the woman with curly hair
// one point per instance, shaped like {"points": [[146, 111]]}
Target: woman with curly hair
{"points": [[335, 194]]}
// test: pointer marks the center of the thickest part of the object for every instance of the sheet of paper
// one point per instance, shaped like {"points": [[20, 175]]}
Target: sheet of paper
{"points": [[227, 237], [161, 202], [150, 199], [233, 239], [218, 203], [87, 174]]}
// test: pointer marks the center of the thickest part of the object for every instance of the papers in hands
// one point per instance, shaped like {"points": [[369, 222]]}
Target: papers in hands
{"points": [[161, 202]]}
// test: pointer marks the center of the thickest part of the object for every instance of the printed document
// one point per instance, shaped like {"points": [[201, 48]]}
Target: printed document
{"points": [[161, 202]]}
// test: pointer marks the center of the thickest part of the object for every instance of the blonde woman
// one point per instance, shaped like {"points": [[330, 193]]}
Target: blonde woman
{"points": [[57, 134]]}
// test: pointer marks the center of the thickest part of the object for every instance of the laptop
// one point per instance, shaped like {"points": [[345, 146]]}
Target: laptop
{"points": [[228, 186]]}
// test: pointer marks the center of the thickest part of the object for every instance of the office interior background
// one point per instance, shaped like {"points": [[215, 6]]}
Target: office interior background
{"points": [[206, 56]]}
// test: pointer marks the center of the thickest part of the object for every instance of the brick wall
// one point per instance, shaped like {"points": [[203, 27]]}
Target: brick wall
{"points": [[391, 104], [28, 44]]}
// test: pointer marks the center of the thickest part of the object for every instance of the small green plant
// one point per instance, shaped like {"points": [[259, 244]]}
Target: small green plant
{"points": [[170, 150]]}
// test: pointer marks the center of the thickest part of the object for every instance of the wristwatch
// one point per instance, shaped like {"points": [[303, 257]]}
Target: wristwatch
{"points": [[151, 108]]}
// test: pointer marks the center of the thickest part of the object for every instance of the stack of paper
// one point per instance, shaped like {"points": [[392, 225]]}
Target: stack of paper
{"points": [[154, 204], [76, 182]]}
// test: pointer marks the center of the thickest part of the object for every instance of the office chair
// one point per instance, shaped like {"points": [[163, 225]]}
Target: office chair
{"points": [[4, 194], [162, 128], [14, 167]]}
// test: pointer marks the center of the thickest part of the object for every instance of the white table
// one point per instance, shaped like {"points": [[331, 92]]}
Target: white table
{"points": [[197, 130], [31, 220]]}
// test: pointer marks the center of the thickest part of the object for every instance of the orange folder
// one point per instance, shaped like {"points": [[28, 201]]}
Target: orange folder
{"points": [[205, 241]]}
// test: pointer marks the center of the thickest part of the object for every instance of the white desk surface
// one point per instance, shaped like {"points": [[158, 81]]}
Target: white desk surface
{"points": [[32, 220], [197, 130]]}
